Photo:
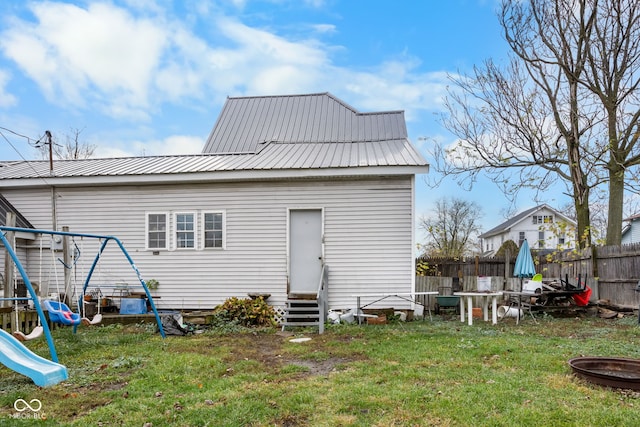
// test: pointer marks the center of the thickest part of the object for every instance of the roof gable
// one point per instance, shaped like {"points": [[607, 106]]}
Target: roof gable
{"points": [[633, 217], [246, 122], [508, 224], [6, 206]]}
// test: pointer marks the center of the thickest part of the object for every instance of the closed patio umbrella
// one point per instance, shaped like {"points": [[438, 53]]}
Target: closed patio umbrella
{"points": [[524, 266]]}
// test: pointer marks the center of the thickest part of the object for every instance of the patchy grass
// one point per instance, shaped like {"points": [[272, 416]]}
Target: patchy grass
{"points": [[440, 373]]}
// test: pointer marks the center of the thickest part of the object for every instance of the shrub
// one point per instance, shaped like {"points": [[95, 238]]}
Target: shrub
{"points": [[508, 245], [246, 312]]}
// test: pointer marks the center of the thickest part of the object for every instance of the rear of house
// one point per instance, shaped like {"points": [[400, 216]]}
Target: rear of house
{"points": [[284, 186]]}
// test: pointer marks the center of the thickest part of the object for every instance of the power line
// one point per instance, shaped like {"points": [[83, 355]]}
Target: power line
{"points": [[17, 134], [11, 144], [28, 162]]}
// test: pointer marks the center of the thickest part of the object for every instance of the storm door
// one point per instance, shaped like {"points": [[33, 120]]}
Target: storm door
{"points": [[305, 251]]}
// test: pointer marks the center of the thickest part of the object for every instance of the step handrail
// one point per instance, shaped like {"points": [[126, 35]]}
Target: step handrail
{"points": [[323, 296]]}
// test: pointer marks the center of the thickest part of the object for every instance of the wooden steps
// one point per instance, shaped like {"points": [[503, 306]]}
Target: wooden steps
{"points": [[301, 313]]}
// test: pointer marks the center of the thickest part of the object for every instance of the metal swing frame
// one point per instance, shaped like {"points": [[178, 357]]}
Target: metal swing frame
{"points": [[34, 297]]}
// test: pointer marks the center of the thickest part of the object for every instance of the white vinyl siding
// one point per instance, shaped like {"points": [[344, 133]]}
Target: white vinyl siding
{"points": [[368, 229], [633, 234]]}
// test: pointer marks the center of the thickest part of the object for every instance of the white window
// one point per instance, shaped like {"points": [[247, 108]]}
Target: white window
{"points": [[157, 231], [521, 238], [543, 219], [185, 230], [213, 230], [541, 239]]}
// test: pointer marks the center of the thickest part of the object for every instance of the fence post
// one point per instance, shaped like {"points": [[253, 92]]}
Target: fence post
{"points": [[594, 261], [507, 264]]}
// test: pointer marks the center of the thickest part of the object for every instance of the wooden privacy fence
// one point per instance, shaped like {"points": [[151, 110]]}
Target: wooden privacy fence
{"points": [[460, 267], [613, 272], [27, 320], [443, 285]]}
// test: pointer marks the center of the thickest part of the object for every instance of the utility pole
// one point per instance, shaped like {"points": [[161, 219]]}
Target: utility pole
{"points": [[49, 142]]}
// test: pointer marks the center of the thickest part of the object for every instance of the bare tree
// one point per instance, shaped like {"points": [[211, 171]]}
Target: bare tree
{"points": [[452, 227], [71, 149], [542, 119], [613, 61]]}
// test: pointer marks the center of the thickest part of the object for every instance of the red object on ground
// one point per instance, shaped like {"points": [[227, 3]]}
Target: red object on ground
{"points": [[583, 298]]}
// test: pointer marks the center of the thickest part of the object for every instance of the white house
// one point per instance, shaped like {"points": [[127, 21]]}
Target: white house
{"points": [[542, 226], [284, 185], [631, 230]]}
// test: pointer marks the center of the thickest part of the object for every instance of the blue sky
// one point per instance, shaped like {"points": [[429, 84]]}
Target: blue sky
{"points": [[144, 77]]}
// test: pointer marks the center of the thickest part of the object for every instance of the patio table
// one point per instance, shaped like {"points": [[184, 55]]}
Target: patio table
{"points": [[407, 296], [485, 305]]}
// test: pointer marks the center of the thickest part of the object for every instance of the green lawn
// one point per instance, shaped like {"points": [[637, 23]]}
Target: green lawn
{"points": [[440, 373]]}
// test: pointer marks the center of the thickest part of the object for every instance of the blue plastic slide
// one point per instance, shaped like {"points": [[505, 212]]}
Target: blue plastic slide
{"points": [[19, 358]]}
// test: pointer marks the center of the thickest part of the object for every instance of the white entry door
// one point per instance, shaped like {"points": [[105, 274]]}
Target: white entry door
{"points": [[305, 250]]}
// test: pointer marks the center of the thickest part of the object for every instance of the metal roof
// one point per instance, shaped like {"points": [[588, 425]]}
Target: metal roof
{"points": [[280, 134], [273, 156], [246, 122]]}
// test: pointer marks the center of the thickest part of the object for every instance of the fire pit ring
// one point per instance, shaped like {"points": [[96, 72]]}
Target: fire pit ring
{"points": [[615, 372]]}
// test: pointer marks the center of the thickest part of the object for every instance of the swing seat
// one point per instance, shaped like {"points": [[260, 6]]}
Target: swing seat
{"points": [[60, 313], [96, 319], [36, 333]]}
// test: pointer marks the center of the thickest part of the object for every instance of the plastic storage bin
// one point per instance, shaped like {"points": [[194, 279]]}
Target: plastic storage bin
{"points": [[133, 306]]}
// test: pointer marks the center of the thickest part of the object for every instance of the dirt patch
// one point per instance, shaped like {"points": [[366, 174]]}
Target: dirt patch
{"points": [[289, 421], [323, 367], [269, 350], [102, 387]]}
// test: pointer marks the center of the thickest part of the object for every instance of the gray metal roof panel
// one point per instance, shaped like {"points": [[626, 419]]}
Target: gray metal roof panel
{"points": [[273, 155], [245, 122]]}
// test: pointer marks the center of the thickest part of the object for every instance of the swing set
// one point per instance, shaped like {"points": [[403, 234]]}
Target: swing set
{"points": [[58, 311]]}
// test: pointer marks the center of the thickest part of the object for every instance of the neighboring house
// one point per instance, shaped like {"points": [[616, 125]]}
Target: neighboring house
{"points": [[542, 226], [631, 230], [284, 184]]}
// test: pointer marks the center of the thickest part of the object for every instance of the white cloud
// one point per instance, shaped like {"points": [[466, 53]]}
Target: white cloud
{"points": [[172, 145], [106, 58], [324, 28], [315, 3], [6, 99], [396, 86], [261, 45], [76, 55]]}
